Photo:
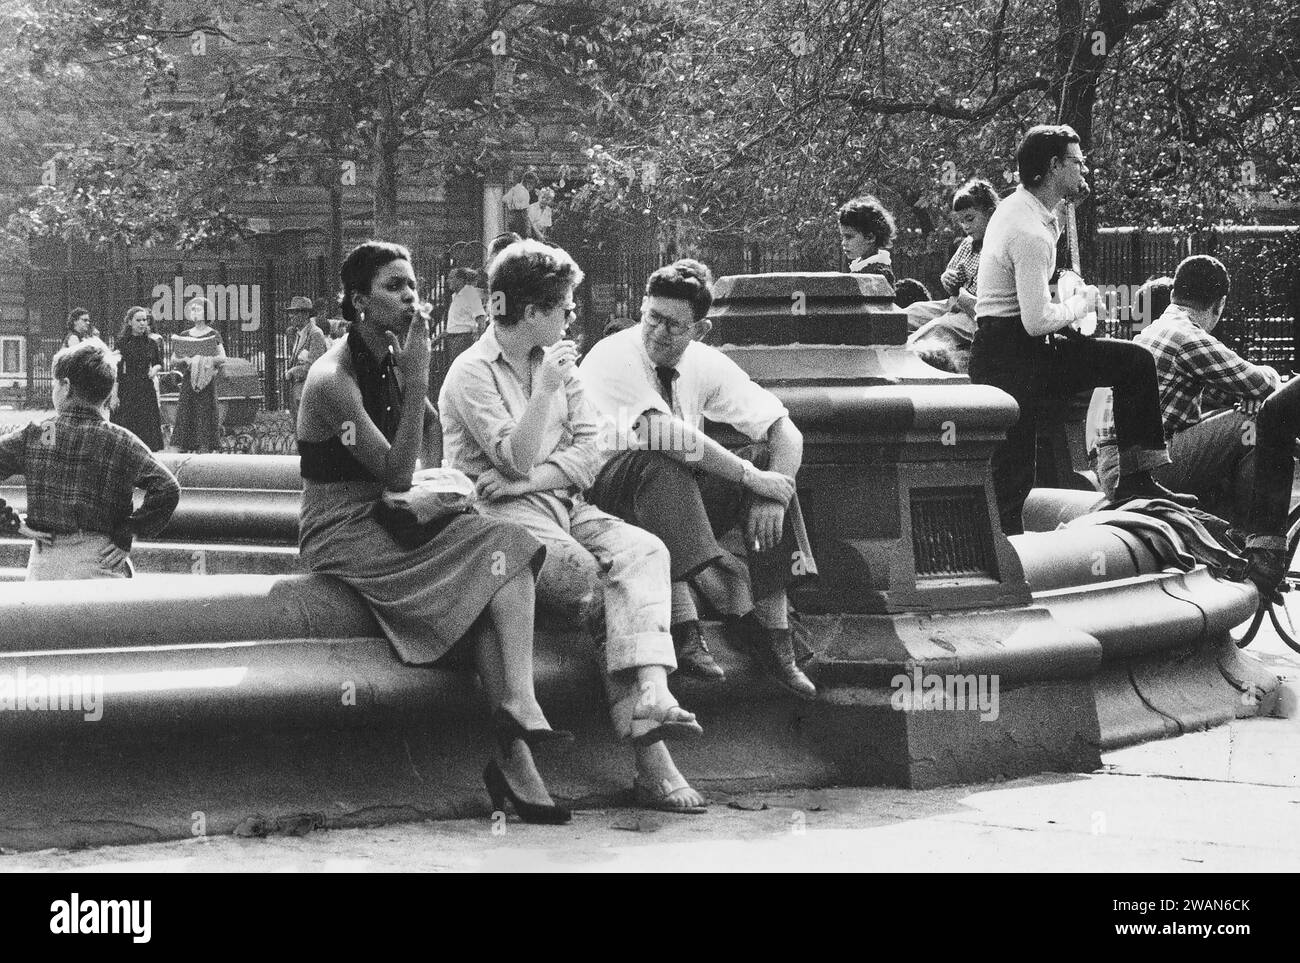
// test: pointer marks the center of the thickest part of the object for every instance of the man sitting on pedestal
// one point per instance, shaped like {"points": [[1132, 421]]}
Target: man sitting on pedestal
{"points": [[1251, 453], [655, 383]]}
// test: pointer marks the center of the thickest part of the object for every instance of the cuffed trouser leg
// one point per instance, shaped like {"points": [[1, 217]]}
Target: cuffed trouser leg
{"points": [[634, 572], [602, 565]]}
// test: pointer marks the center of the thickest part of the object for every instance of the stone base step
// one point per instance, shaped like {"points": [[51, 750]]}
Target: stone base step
{"points": [[176, 558]]}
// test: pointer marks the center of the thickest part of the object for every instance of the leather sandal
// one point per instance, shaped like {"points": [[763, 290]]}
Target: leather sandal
{"points": [[646, 723], [667, 797]]}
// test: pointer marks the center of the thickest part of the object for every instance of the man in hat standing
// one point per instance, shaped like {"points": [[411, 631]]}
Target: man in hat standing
{"points": [[308, 345]]}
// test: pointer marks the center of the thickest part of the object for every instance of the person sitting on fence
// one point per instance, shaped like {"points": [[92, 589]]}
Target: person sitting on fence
{"points": [[81, 472], [942, 331], [866, 235], [1250, 448], [655, 383], [466, 317]]}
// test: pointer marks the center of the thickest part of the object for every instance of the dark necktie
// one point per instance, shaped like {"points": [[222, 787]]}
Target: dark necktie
{"points": [[665, 373]]}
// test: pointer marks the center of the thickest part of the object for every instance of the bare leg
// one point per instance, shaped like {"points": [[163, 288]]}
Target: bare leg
{"points": [[503, 653], [656, 771], [511, 611]]}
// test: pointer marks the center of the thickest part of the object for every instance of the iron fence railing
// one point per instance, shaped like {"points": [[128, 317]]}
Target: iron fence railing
{"points": [[250, 300]]}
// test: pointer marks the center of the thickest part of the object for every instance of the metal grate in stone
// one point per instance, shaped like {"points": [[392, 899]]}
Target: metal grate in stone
{"points": [[951, 536]]}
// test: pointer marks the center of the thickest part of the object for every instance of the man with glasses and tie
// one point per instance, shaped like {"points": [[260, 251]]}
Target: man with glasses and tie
{"points": [[655, 383], [1025, 344]]}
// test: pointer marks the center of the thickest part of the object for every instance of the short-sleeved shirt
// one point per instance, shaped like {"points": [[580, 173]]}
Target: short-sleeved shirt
{"points": [[480, 406], [622, 384], [465, 310]]}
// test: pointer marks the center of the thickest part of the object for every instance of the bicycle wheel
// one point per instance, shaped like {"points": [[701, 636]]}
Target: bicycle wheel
{"points": [[1244, 634], [1286, 615]]}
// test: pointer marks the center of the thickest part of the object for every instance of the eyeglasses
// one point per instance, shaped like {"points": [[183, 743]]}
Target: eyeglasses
{"points": [[676, 328]]}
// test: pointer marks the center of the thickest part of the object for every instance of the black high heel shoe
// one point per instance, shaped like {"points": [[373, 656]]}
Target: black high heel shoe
{"points": [[498, 788], [508, 728]]}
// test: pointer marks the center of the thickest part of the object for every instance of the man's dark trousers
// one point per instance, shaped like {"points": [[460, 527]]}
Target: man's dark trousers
{"points": [[689, 510], [1032, 369]]}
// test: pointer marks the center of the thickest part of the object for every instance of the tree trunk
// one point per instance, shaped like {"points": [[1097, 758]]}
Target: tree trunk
{"points": [[1077, 71], [385, 202], [334, 256]]}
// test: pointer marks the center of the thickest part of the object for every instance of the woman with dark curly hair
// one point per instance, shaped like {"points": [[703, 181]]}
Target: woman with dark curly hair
{"points": [[364, 423], [866, 234]]}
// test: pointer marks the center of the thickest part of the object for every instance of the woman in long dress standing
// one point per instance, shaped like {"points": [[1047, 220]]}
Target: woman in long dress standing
{"points": [[198, 353], [141, 358], [364, 423]]}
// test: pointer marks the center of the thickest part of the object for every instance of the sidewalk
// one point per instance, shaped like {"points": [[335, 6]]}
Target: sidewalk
{"points": [[1223, 800]]}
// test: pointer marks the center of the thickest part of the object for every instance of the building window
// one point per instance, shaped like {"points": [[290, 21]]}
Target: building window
{"points": [[11, 356]]}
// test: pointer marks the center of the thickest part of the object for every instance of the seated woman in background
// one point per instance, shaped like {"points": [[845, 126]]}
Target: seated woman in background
{"points": [[364, 423], [141, 359], [866, 235], [944, 330]]}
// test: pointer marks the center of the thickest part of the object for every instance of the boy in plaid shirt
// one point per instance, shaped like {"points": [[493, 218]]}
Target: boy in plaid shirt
{"points": [[81, 472], [1249, 449]]}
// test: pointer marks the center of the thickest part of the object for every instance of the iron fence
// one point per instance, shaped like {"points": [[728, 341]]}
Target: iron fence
{"points": [[1262, 320], [251, 300]]}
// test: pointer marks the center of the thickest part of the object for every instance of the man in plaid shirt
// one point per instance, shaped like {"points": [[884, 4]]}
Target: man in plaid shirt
{"points": [[1250, 453], [81, 472]]}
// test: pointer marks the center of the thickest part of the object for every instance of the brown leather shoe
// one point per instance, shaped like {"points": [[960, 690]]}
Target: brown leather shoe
{"points": [[693, 655], [774, 650]]}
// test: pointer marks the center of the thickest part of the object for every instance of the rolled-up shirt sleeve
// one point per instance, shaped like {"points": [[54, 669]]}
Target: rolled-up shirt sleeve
{"points": [[580, 455], [162, 493], [1214, 364], [735, 399], [471, 398], [616, 385]]}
